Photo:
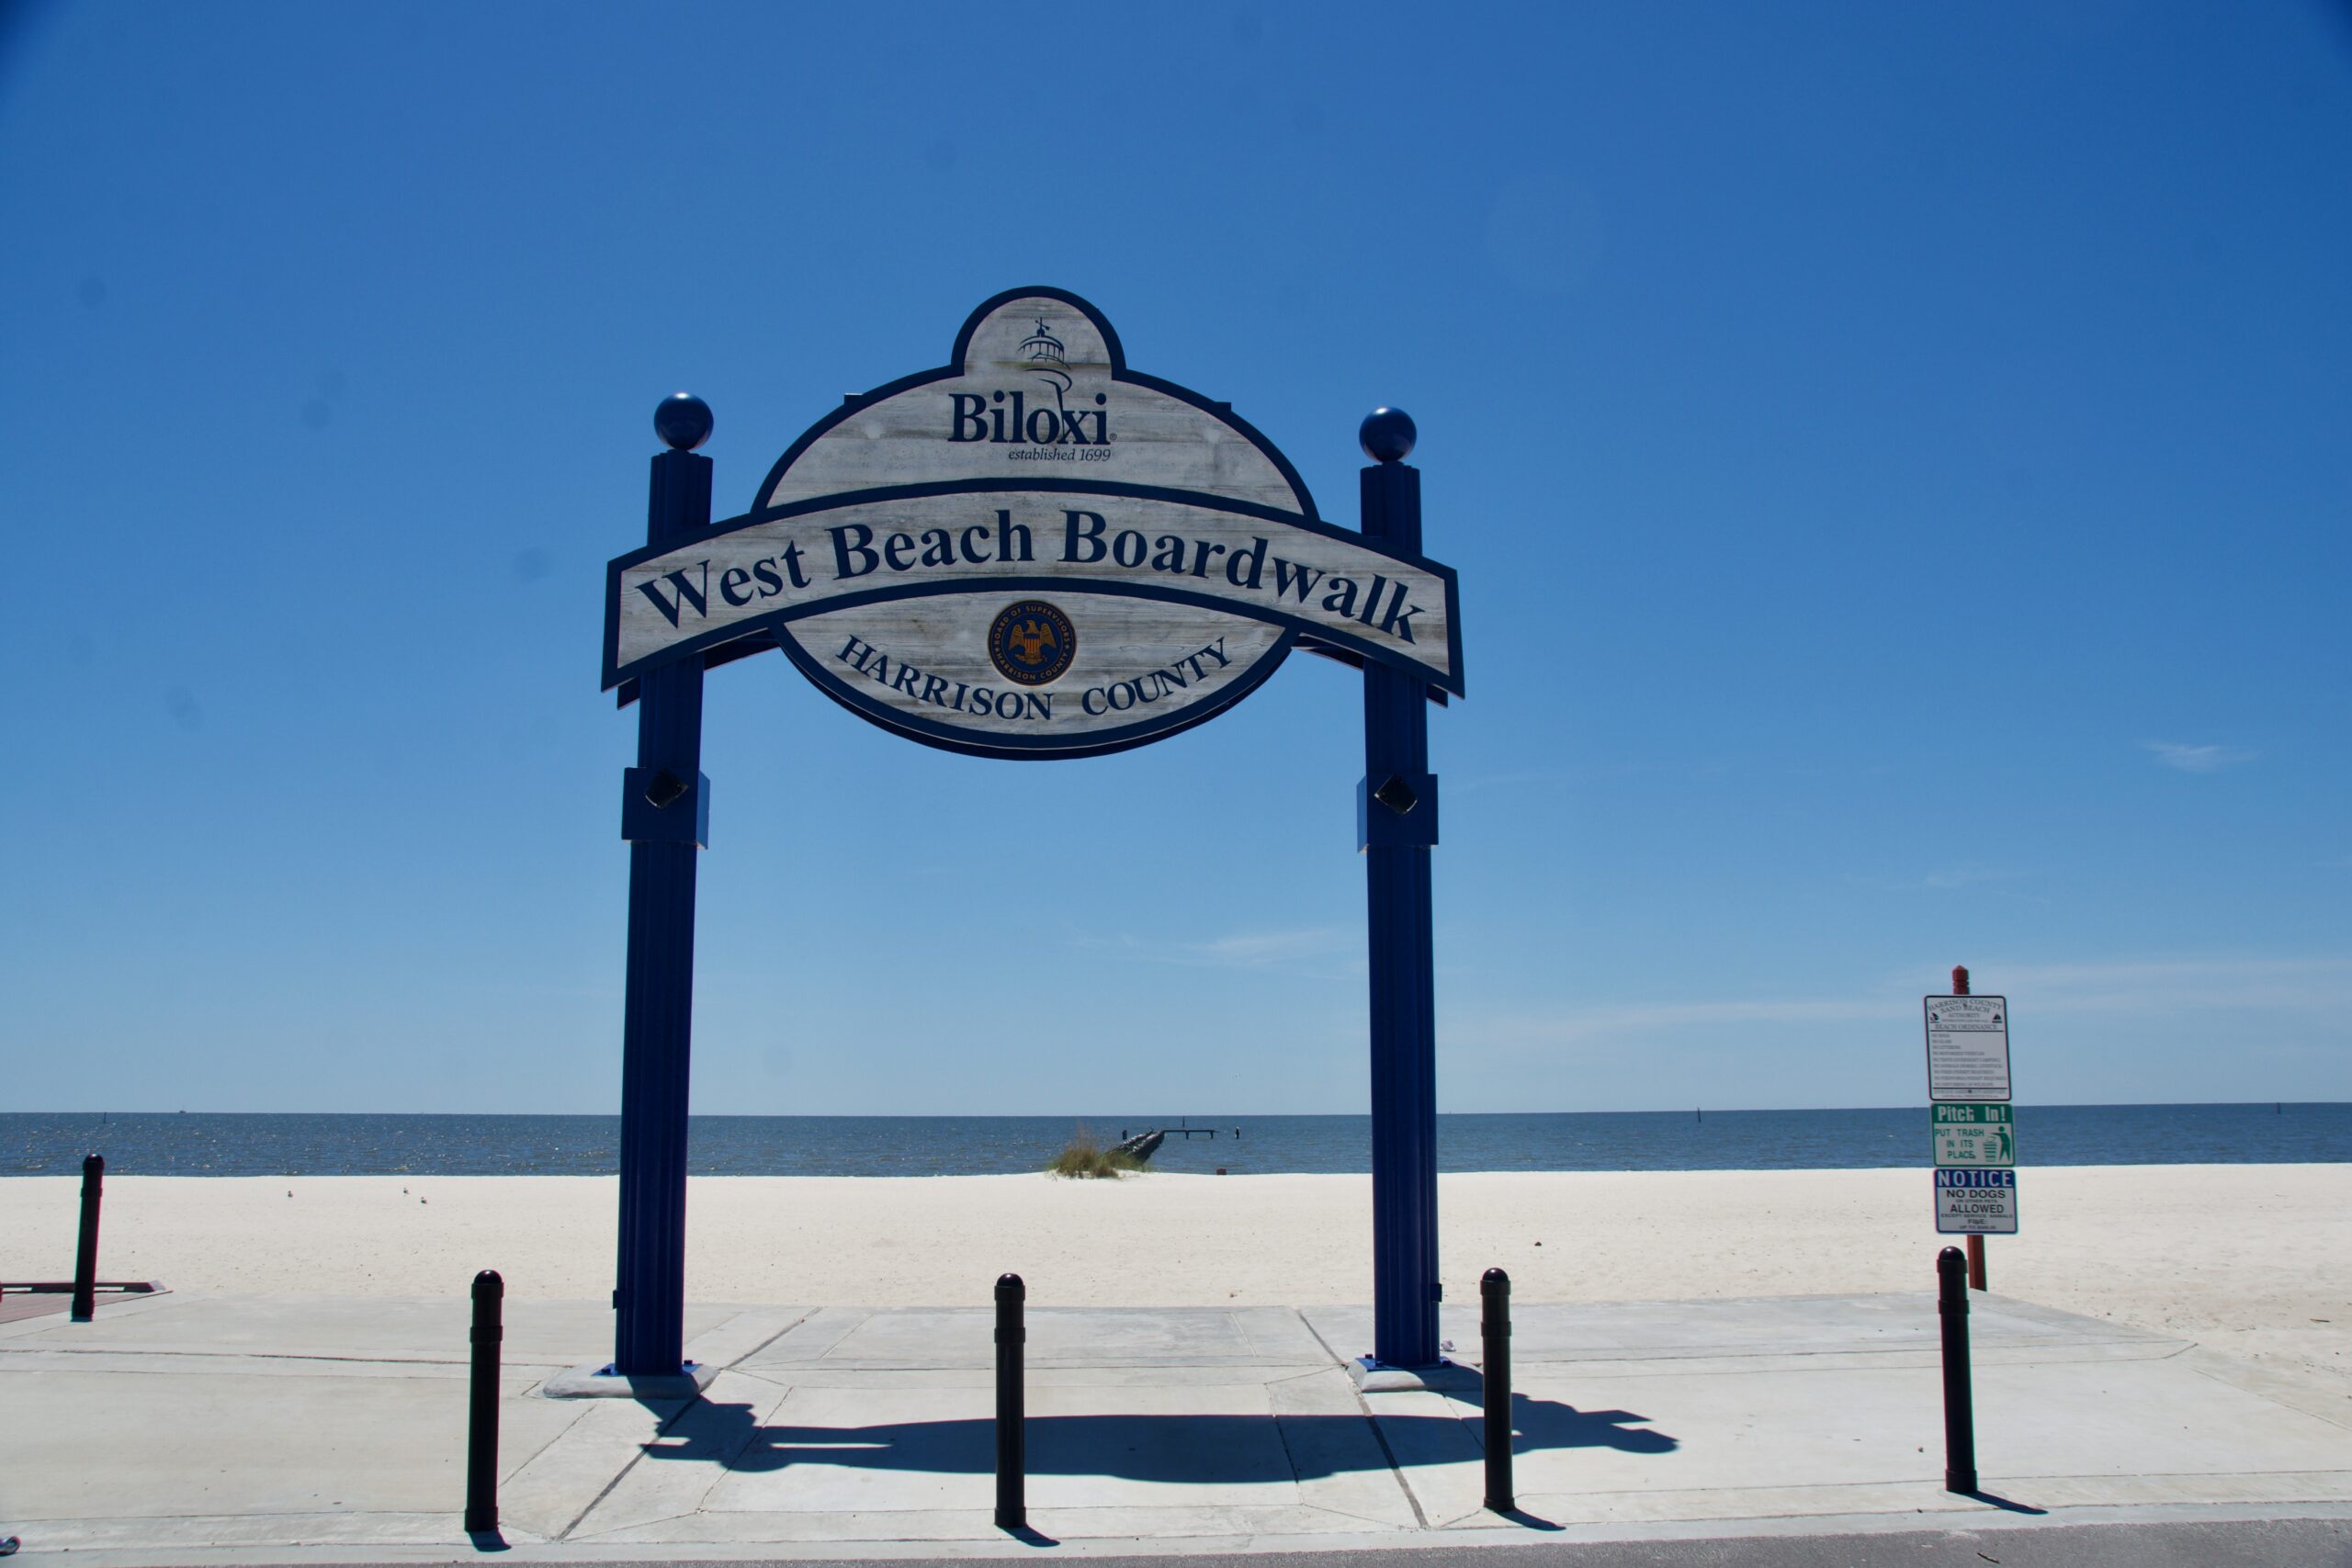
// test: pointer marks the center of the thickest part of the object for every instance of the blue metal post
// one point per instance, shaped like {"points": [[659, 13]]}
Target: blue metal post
{"points": [[1396, 846], [666, 816]]}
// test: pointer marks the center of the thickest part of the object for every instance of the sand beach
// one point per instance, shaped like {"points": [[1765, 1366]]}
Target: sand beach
{"points": [[2250, 1260]]}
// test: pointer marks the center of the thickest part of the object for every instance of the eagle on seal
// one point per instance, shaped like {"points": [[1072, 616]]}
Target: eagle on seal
{"points": [[1030, 638]]}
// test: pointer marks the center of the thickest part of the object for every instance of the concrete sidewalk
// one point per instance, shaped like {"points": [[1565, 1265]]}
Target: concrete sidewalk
{"points": [[245, 1428]]}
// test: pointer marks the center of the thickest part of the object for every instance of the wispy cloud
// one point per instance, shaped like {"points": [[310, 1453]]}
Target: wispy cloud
{"points": [[1579, 774], [1999, 879], [1235, 950], [1568, 1025], [2169, 985], [1969, 877], [1256, 950], [2189, 759], [1505, 781], [2128, 988]]}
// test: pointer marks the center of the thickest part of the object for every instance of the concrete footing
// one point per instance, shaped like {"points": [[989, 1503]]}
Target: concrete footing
{"points": [[1372, 1376], [598, 1379]]}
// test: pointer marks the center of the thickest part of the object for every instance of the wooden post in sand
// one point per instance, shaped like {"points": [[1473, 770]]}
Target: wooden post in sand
{"points": [[1975, 1243]]}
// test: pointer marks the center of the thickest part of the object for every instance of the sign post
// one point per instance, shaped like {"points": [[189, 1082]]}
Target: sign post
{"points": [[1033, 551], [666, 816], [1970, 1118], [1397, 828]]}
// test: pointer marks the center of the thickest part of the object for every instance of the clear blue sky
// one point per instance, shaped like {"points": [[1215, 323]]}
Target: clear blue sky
{"points": [[1898, 460]]}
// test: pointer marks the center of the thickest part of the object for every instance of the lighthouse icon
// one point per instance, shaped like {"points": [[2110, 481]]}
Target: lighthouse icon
{"points": [[1042, 355]]}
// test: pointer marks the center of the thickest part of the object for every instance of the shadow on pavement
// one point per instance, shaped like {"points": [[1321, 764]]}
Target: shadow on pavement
{"points": [[1547, 1424], [1201, 1449]]}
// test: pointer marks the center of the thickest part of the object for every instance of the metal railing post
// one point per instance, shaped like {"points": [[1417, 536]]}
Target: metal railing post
{"points": [[1012, 1447], [1960, 1414], [1494, 1332], [482, 1424]]}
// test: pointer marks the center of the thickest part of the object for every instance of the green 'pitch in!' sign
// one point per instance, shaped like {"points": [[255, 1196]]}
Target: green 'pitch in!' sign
{"points": [[1977, 1136]]}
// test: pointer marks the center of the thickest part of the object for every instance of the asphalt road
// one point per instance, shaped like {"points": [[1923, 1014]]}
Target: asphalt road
{"points": [[2267, 1543], [2251, 1543]]}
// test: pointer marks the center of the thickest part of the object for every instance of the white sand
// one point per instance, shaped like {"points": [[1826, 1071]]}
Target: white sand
{"points": [[2242, 1258]]}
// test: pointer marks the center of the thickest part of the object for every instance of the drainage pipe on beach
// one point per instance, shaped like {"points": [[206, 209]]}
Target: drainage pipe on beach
{"points": [[86, 1251], [1494, 1332], [481, 1425], [1011, 1449], [1960, 1414]]}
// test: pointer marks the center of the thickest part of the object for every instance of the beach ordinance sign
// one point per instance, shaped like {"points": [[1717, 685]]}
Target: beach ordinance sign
{"points": [[1969, 1117], [1968, 1048]]}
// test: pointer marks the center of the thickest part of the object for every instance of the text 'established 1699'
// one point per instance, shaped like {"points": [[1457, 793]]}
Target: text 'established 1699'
{"points": [[1034, 551]]}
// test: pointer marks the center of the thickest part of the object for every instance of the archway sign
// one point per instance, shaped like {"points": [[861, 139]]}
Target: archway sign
{"points": [[1034, 551]]}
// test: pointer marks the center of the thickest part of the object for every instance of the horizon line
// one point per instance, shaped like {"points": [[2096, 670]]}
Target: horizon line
{"points": [[1201, 1119]]}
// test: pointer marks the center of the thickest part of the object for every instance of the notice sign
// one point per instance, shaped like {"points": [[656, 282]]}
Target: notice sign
{"points": [[1977, 1202], [1968, 1048], [1976, 1135]]}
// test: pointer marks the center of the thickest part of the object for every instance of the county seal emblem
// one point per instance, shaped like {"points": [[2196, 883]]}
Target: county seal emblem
{"points": [[1031, 642]]}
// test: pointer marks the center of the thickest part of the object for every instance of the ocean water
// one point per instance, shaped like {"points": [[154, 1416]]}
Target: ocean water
{"points": [[218, 1143]]}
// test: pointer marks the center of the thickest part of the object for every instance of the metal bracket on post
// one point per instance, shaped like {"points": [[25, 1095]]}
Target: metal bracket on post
{"points": [[659, 807], [1400, 811]]}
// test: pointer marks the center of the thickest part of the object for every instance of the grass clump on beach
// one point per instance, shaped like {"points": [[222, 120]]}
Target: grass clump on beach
{"points": [[1084, 1157]]}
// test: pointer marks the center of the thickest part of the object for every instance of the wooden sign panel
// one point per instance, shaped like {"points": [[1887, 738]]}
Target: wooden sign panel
{"points": [[1034, 551]]}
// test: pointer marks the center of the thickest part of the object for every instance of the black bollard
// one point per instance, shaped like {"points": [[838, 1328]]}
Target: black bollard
{"points": [[1960, 1414], [1011, 1449], [1494, 1330], [85, 1252], [482, 1424]]}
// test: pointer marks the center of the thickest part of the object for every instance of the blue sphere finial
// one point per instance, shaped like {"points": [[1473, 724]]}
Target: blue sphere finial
{"points": [[1387, 435], [682, 421]]}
